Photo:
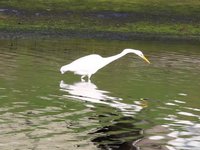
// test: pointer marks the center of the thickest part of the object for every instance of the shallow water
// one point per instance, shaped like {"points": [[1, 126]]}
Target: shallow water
{"points": [[129, 104]]}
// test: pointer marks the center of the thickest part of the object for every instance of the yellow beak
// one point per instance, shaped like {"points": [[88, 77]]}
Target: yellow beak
{"points": [[146, 59]]}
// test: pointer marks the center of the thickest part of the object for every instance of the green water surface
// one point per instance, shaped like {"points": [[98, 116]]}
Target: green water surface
{"points": [[129, 104]]}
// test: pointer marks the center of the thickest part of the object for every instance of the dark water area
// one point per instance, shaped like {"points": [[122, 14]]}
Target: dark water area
{"points": [[129, 104]]}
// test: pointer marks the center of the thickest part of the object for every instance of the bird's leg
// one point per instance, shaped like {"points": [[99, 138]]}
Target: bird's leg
{"points": [[82, 78], [89, 78]]}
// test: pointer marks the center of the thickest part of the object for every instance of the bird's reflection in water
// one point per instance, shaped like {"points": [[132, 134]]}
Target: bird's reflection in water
{"points": [[87, 91], [118, 133]]}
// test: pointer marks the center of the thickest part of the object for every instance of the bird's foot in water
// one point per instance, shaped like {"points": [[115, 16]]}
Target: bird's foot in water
{"points": [[83, 80]]}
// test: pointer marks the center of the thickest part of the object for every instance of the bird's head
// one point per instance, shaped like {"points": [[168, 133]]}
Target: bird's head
{"points": [[137, 52]]}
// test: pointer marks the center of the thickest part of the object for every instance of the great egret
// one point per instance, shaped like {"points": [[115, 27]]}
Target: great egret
{"points": [[90, 64]]}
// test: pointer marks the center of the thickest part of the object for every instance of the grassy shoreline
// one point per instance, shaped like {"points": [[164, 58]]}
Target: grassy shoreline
{"points": [[175, 19], [184, 7]]}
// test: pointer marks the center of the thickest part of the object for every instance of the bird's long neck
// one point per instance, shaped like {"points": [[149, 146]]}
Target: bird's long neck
{"points": [[113, 58]]}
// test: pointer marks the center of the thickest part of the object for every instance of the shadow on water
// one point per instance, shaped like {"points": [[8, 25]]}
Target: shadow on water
{"points": [[120, 135]]}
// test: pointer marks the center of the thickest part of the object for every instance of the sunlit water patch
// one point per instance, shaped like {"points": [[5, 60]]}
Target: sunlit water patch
{"points": [[127, 105]]}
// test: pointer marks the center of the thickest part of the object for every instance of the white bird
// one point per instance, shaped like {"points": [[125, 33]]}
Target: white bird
{"points": [[90, 64]]}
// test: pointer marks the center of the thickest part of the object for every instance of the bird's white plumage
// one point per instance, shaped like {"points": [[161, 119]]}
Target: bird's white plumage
{"points": [[88, 65]]}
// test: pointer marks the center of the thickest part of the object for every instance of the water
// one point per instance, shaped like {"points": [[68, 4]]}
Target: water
{"points": [[129, 104]]}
